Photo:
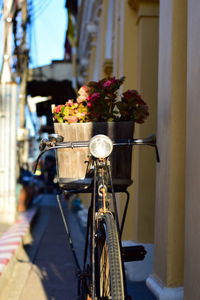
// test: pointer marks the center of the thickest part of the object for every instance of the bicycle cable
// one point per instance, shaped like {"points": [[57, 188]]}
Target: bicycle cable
{"points": [[68, 234]]}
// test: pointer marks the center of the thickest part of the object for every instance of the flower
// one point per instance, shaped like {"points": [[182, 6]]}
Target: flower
{"points": [[83, 91], [100, 101], [58, 108], [83, 94], [109, 82], [89, 104], [71, 119], [93, 97]]}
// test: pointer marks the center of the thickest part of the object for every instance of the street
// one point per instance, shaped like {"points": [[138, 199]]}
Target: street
{"points": [[45, 269]]}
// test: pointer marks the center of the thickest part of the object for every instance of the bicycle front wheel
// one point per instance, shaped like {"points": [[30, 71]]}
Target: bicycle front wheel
{"points": [[109, 274]]}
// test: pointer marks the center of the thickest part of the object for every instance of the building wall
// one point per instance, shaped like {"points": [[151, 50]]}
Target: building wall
{"points": [[176, 265], [155, 44], [124, 42], [57, 70], [146, 83]]}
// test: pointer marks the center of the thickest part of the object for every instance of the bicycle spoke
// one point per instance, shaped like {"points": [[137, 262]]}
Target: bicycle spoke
{"points": [[109, 267]]}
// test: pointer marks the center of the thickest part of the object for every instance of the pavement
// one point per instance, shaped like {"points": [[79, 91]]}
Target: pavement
{"points": [[12, 238], [3, 228], [44, 267]]}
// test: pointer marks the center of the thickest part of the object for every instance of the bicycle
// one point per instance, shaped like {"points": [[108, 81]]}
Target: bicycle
{"points": [[102, 275]]}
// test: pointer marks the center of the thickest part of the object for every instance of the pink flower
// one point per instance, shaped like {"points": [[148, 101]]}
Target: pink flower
{"points": [[109, 82], [97, 101], [83, 91], [58, 108], [83, 94], [69, 102], [71, 119], [81, 99]]}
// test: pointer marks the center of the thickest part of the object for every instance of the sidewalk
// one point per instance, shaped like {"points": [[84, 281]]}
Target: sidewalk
{"points": [[45, 269], [11, 240], [3, 228]]}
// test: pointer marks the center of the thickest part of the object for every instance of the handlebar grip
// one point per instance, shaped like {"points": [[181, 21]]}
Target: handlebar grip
{"points": [[55, 138], [150, 140], [51, 141], [42, 144]]}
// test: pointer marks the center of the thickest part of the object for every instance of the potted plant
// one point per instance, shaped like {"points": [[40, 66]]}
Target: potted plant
{"points": [[99, 108]]}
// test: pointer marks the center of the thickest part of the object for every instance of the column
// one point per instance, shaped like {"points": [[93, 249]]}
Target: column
{"points": [[124, 64], [8, 109], [167, 279], [108, 55], [139, 63], [8, 105], [192, 209], [144, 163]]}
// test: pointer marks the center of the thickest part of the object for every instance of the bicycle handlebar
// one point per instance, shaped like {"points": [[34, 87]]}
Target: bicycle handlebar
{"points": [[56, 142]]}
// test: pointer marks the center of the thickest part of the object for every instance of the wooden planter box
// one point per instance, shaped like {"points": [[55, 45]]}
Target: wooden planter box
{"points": [[71, 164]]}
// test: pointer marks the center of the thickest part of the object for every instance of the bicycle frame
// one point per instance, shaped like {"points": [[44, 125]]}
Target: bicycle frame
{"points": [[101, 205], [102, 185]]}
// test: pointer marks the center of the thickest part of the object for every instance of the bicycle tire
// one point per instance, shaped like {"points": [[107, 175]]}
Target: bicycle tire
{"points": [[109, 274]]}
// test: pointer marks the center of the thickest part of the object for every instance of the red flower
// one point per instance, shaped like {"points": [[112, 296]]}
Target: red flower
{"points": [[129, 94], [93, 97]]}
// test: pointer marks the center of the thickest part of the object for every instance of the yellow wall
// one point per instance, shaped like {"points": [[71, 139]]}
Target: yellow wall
{"points": [[138, 57], [170, 185], [176, 107], [135, 56], [147, 85], [124, 64], [192, 234]]}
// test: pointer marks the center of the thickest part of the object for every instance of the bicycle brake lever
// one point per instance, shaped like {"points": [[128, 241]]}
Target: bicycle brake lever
{"points": [[157, 154]]}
